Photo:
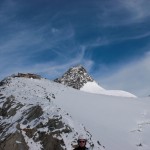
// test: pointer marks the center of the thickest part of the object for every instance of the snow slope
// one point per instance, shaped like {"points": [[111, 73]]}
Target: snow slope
{"points": [[120, 123], [29, 105], [93, 87]]}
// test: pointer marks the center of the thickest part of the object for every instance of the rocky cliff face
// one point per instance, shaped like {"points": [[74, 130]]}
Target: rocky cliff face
{"points": [[75, 77], [29, 118]]}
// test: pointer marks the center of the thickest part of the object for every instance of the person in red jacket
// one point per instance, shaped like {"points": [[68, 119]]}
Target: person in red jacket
{"points": [[81, 143]]}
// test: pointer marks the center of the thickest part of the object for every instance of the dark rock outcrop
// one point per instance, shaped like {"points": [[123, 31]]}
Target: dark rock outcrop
{"points": [[75, 77], [7, 110], [28, 75], [14, 141]]}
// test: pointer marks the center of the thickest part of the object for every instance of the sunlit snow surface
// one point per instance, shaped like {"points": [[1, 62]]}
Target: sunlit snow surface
{"points": [[93, 87], [119, 123]]}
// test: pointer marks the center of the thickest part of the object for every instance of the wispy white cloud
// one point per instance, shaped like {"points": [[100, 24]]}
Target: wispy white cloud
{"points": [[106, 40], [138, 9], [133, 77], [134, 37], [50, 69], [55, 69], [123, 13], [25, 41]]}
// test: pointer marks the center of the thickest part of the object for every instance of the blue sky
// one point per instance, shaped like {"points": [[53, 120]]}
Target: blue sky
{"points": [[111, 39]]}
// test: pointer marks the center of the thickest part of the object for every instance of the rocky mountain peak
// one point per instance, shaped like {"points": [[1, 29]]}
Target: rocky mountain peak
{"points": [[75, 77]]}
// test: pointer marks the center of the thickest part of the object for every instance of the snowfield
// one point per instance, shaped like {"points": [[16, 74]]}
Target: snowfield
{"points": [[118, 122], [93, 87]]}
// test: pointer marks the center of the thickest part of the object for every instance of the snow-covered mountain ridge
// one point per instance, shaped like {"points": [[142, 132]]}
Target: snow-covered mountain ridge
{"points": [[30, 119], [39, 114], [78, 78]]}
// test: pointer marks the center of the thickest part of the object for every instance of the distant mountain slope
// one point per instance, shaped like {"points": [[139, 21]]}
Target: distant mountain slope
{"points": [[78, 78], [30, 119], [93, 87]]}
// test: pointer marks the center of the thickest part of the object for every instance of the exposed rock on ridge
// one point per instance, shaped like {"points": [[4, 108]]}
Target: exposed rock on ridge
{"points": [[75, 77], [28, 75], [78, 78], [29, 119]]}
